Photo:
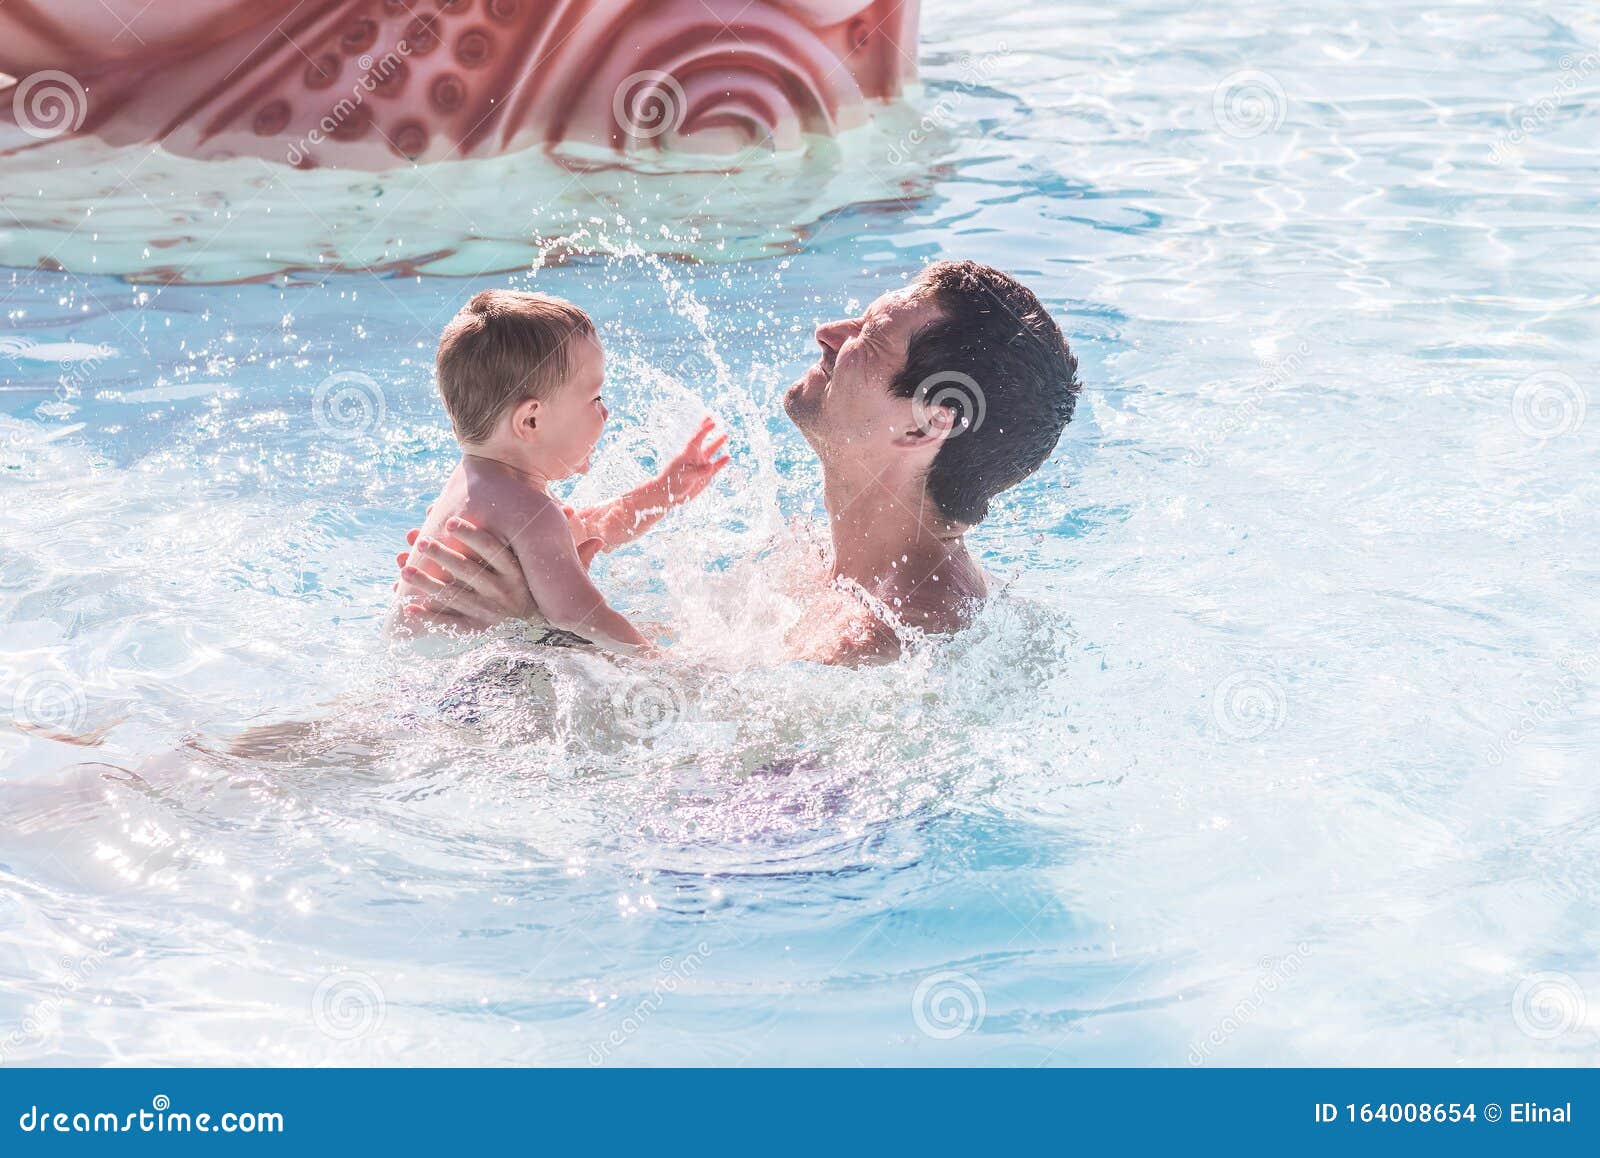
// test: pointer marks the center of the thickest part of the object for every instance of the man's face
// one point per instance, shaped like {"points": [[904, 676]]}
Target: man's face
{"points": [[842, 404]]}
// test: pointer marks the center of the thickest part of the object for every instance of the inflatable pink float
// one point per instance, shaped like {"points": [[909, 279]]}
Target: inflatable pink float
{"points": [[372, 84]]}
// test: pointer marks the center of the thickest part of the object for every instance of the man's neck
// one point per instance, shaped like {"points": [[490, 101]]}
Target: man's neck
{"points": [[899, 549]]}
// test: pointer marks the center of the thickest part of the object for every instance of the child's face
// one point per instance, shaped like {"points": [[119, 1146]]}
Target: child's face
{"points": [[571, 420]]}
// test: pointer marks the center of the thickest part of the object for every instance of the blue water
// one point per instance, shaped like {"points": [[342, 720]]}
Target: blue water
{"points": [[1278, 745]]}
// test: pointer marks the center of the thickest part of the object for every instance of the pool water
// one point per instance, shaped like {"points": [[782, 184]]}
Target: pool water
{"points": [[1276, 746]]}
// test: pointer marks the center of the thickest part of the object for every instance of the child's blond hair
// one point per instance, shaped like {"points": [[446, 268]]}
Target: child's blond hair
{"points": [[504, 346]]}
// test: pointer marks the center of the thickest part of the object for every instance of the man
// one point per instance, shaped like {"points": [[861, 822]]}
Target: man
{"points": [[939, 397]]}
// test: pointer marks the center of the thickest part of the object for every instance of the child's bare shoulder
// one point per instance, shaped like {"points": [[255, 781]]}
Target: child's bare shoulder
{"points": [[511, 507]]}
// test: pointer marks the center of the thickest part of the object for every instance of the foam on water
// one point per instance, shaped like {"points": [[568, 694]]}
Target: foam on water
{"points": [[1277, 745]]}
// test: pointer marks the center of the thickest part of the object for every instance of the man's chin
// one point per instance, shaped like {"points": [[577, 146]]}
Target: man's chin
{"points": [[797, 406]]}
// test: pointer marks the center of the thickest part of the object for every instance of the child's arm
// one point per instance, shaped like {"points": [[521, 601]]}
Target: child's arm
{"points": [[625, 519], [559, 582]]}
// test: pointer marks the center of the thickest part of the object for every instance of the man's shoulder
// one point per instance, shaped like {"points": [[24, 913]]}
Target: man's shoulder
{"points": [[943, 602], [860, 648], [838, 629]]}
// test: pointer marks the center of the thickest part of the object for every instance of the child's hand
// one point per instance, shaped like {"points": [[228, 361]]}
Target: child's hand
{"points": [[588, 545], [695, 465]]}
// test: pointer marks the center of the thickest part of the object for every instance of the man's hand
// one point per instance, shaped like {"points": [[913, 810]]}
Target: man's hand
{"points": [[485, 586], [693, 468]]}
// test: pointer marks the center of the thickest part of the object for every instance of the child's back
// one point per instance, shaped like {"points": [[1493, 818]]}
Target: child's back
{"points": [[489, 497], [521, 376]]}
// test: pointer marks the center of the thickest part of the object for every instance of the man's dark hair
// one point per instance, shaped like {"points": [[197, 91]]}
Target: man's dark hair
{"points": [[999, 361]]}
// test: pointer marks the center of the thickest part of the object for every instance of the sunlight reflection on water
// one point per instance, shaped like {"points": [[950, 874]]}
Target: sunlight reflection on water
{"points": [[1288, 705]]}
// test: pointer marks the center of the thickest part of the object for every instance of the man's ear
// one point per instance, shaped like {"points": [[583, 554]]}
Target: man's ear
{"points": [[928, 426], [525, 418]]}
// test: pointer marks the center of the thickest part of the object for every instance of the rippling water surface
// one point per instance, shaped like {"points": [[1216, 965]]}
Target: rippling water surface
{"points": [[1277, 746]]}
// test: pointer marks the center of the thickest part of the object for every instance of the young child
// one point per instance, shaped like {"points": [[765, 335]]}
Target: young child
{"points": [[520, 374]]}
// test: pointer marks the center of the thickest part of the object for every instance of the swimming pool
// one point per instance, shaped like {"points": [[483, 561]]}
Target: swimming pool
{"points": [[1278, 746]]}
